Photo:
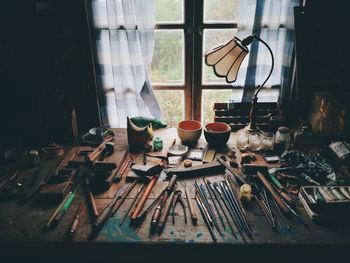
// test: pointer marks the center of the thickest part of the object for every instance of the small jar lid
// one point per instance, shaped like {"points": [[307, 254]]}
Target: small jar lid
{"points": [[283, 129]]}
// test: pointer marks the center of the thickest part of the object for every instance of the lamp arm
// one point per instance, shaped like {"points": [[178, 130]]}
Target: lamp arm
{"points": [[272, 64]]}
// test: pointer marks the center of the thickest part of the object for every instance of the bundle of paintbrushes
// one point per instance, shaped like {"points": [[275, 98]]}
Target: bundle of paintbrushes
{"points": [[226, 205]]}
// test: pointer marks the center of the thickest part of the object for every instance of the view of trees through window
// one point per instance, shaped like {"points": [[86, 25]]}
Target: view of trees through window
{"points": [[167, 71]]}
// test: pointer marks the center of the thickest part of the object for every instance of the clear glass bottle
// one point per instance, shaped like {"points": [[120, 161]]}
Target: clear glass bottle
{"points": [[255, 141], [282, 139], [242, 140], [268, 141]]}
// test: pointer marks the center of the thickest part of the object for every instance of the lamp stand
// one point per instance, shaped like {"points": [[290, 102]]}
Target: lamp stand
{"points": [[251, 127]]}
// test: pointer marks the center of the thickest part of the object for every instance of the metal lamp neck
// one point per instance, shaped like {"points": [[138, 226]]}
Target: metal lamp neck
{"points": [[272, 63]]}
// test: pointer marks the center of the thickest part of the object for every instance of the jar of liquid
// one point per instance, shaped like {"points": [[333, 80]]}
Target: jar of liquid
{"points": [[282, 139], [255, 141], [268, 140], [242, 140]]}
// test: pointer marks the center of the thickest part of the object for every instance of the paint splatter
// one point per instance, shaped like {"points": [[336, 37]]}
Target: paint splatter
{"points": [[199, 234], [113, 232], [172, 232]]}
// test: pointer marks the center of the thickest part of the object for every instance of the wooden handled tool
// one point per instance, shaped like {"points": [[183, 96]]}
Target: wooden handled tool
{"points": [[123, 197], [168, 190], [145, 195], [193, 213], [76, 221], [165, 213], [91, 198], [106, 213], [93, 156], [116, 175], [274, 194]]}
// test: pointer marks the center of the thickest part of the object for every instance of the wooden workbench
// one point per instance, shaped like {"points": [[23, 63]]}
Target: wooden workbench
{"points": [[23, 223]]}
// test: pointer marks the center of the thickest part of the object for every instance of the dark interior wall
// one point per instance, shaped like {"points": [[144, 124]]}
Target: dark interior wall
{"points": [[322, 50], [46, 71]]}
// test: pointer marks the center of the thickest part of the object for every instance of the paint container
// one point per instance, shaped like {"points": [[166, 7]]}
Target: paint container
{"points": [[245, 193]]}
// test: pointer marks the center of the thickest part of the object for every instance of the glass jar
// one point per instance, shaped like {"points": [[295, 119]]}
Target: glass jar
{"points": [[242, 140], [268, 141], [157, 144], [282, 139], [255, 141]]}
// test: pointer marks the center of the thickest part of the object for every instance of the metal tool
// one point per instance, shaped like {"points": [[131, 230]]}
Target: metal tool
{"points": [[232, 214], [145, 195], [206, 219], [233, 171], [167, 191], [273, 193], [281, 189], [232, 201], [65, 206], [106, 212], [49, 223], [193, 213], [222, 209], [132, 203], [165, 213], [117, 175], [90, 197], [296, 215], [215, 206], [143, 215], [178, 199], [209, 208], [206, 209], [122, 197], [76, 221], [108, 150], [280, 214]]}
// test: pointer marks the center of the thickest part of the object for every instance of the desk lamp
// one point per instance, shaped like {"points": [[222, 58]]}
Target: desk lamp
{"points": [[226, 60]]}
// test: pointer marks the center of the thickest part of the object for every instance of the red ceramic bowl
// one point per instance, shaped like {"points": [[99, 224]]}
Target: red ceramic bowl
{"points": [[217, 134], [189, 131]]}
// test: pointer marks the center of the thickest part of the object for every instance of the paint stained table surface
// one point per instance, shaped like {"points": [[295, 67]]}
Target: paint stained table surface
{"points": [[25, 222]]}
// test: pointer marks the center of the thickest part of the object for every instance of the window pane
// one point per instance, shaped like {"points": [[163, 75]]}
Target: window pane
{"points": [[168, 57], [169, 11], [212, 38], [209, 97], [220, 11], [172, 104]]}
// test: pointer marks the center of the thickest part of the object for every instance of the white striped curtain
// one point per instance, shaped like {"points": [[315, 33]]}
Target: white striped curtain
{"points": [[273, 21], [123, 31]]}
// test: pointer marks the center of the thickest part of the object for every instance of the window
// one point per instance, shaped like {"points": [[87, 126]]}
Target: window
{"points": [[184, 86]]}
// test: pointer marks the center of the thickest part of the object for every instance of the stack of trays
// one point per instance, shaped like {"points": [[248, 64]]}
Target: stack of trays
{"points": [[268, 115]]}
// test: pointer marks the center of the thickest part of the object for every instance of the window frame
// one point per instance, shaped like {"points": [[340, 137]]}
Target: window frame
{"points": [[193, 26]]}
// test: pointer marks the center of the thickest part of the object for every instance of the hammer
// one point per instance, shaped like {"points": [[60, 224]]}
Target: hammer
{"points": [[108, 150]]}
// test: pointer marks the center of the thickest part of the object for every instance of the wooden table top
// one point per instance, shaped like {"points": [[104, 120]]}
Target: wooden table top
{"points": [[26, 222]]}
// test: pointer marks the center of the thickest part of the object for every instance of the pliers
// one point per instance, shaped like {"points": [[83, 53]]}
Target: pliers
{"points": [[178, 199]]}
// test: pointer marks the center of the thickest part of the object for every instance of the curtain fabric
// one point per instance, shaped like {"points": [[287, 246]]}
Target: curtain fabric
{"points": [[123, 33], [272, 21]]}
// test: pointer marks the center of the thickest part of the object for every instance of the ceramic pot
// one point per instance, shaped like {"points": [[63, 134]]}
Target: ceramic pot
{"points": [[217, 134], [189, 131]]}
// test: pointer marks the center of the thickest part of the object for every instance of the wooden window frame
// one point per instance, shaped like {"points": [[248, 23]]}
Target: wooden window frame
{"points": [[193, 27]]}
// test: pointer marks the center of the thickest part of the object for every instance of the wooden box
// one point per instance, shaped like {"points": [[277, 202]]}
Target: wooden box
{"points": [[268, 115]]}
